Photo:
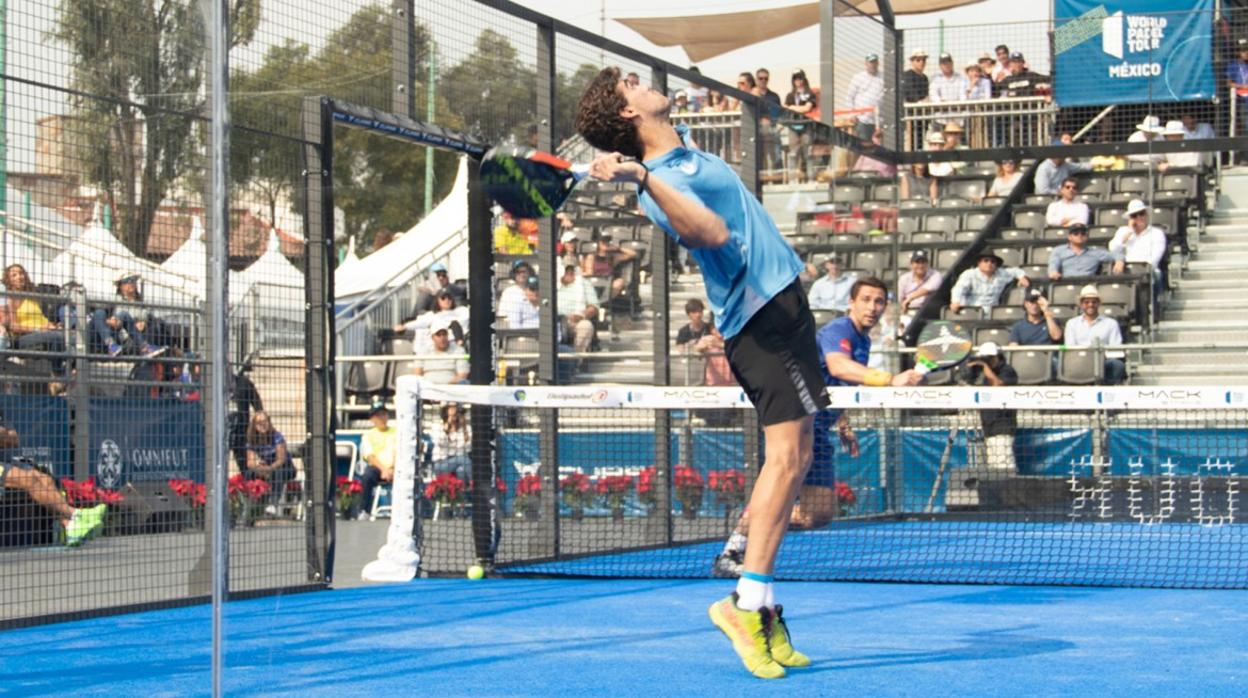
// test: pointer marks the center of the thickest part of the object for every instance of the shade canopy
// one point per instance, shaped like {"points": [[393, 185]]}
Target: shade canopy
{"points": [[708, 36]]}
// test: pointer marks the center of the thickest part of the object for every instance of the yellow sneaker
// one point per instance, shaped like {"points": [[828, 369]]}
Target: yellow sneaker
{"points": [[781, 647], [748, 632]]}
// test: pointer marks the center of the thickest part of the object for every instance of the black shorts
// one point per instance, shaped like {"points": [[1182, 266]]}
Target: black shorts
{"points": [[776, 359]]}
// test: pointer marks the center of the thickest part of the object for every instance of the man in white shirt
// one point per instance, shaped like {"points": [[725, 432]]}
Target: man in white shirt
{"points": [[948, 85], [915, 285], [831, 292], [1176, 132], [1065, 211], [1090, 328], [866, 89], [1139, 241], [1145, 131], [446, 363], [512, 302], [577, 300]]}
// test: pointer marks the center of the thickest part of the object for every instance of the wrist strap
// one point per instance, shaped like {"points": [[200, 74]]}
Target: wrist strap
{"points": [[876, 377]]}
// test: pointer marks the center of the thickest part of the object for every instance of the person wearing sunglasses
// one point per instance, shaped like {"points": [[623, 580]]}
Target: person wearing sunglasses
{"points": [[1065, 210], [1077, 258]]}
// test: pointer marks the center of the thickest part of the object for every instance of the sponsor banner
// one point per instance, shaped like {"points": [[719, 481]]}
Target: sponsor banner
{"points": [[143, 440], [1136, 51], [42, 426]]}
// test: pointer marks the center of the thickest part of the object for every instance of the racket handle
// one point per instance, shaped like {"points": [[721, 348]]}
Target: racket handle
{"points": [[923, 367], [579, 171]]}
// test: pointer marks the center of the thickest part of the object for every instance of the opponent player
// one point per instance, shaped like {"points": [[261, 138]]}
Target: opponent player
{"points": [[751, 280], [844, 346]]}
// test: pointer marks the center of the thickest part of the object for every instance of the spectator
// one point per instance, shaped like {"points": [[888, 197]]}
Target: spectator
{"points": [[989, 368], [1007, 178], [697, 93], [452, 444], [1175, 131], [866, 90], [745, 83], [633, 79], [1038, 325], [831, 291], [1054, 170], [24, 322], [1137, 241], [512, 303], [446, 309], [446, 363], [918, 183], [1076, 258], [948, 85], [21, 475], [439, 280], [1146, 131], [119, 327], [988, 68], [268, 457], [1192, 129], [951, 139], [1090, 328], [1066, 211], [680, 103], [1022, 82], [378, 450], [604, 263], [577, 300], [916, 285], [767, 120], [978, 86], [695, 329], [507, 237], [982, 286], [244, 397], [914, 84], [1237, 80], [866, 163], [801, 100], [716, 102], [1003, 64]]}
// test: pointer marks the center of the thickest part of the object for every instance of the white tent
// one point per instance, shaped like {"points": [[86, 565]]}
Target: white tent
{"points": [[271, 287], [32, 235], [350, 266], [96, 259], [448, 218]]}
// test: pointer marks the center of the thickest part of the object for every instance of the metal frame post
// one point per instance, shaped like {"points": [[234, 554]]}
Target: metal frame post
{"points": [[548, 327]]}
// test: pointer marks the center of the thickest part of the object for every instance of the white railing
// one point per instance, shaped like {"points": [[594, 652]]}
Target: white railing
{"points": [[988, 123]]}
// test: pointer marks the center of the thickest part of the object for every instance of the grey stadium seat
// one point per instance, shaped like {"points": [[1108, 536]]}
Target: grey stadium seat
{"points": [[942, 222], [1029, 219], [1080, 367], [1032, 367]]}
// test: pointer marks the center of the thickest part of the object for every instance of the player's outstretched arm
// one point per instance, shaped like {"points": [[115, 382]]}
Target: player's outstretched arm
{"points": [[696, 224], [843, 367]]}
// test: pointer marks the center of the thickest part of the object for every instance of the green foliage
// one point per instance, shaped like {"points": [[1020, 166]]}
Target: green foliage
{"points": [[141, 60]]}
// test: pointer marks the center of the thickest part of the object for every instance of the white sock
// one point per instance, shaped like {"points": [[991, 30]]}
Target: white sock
{"points": [[750, 594], [769, 596], [736, 543]]}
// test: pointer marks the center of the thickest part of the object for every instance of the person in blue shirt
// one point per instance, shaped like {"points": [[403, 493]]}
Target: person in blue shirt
{"points": [[751, 277], [1237, 79]]}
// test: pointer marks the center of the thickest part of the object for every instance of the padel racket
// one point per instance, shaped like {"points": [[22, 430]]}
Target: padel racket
{"points": [[942, 345], [527, 183]]}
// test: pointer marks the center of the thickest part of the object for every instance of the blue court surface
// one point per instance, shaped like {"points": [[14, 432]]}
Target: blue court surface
{"points": [[534, 637]]}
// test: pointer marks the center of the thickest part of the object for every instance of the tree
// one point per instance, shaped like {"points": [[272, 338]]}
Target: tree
{"points": [[494, 93], [139, 67]]}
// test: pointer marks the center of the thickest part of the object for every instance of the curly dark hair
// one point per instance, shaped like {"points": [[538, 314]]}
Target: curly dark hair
{"points": [[598, 117]]}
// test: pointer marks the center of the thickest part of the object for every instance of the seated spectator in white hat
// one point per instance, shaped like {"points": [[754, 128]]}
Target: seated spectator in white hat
{"points": [[951, 139], [1066, 211], [1175, 131], [1145, 131], [1137, 241], [1090, 328], [446, 363]]}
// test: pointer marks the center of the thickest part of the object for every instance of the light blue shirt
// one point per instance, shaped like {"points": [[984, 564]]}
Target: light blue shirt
{"points": [[973, 288], [755, 263], [1049, 177], [831, 294]]}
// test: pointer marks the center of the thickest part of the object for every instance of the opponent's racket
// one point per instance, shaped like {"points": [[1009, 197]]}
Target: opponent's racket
{"points": [[527, 183], [942, 345]]}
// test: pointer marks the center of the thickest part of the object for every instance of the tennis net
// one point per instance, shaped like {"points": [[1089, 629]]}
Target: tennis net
{"points": [[1115, 486]]}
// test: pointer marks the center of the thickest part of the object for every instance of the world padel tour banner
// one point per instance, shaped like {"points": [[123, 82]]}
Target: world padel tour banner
{"points": [[1133, 51]]}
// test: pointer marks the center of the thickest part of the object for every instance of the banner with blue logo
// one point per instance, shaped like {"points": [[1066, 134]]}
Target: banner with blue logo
{"points": [[42, 426], [143, 440], [1120, 52]]}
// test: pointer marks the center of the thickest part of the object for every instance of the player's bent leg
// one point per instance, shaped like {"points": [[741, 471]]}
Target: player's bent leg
{"points": [[775, 490], [816, 507], [729, 562]]}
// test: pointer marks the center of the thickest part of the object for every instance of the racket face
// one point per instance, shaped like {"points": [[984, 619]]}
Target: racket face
{"points": [[526, 185], [943, 344]]}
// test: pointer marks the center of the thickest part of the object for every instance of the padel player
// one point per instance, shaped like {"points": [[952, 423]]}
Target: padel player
{"points": [[844, 345], [751, 280]]}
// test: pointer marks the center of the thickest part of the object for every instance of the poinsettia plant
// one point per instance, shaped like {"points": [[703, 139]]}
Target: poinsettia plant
{"points": [[614, 489], [346, 490], [729, 487], [689, 489], [845, 495], [529, 493], [647, 490], [446, 489], [577, 491]]}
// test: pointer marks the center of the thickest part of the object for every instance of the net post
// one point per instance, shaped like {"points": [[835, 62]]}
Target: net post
{"points": [[751, 145], [319, 369]]}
